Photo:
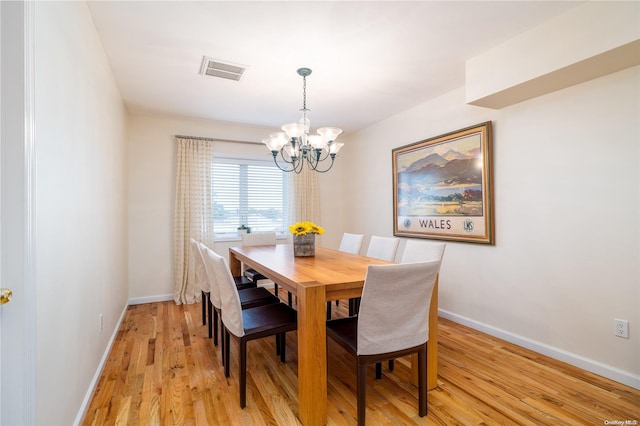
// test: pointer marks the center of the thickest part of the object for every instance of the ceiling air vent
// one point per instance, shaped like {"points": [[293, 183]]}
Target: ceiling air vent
{"points": [[215, 68]]}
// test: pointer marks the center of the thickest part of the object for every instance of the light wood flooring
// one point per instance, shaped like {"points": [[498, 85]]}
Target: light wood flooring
{"points": [[163, 369]]}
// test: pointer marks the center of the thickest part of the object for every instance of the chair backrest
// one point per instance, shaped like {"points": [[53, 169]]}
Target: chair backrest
{"points": [[394, 309], [351, 243], [208, 256], [200, 273], [421, 251], [259, 239], [384, 248], [231, 307]]}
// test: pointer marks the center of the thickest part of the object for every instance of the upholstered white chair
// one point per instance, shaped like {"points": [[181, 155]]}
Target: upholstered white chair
{"points": [[420, 251], [249, 324], [200, 277], [384, 248], [249, 297], [351, 243], [379, 333], [261, 239]]}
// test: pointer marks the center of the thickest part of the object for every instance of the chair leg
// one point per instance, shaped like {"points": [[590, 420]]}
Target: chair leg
{"points": [[378, 370], [329, 310], [422, 382], [209, 316], [354, 306], [243, 373], [275, 289], [204, 308], [214, 313], [362, 393], [391, 365], [290, 299], [225, 356], [283, 344]]}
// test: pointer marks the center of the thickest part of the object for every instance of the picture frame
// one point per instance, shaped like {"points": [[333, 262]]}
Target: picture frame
{"points": [[443, 187]]}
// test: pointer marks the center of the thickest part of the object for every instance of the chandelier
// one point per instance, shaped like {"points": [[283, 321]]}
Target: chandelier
{"points": [[294, 146]]}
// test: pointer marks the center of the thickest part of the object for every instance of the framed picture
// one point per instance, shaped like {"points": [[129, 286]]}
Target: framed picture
{"points": [[443, 187]]}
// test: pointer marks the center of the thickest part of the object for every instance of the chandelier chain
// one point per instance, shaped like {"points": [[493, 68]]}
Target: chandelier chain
{"points": [[304, 96]]}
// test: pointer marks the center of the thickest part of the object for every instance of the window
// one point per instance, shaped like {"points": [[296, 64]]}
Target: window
{"points": [[250, 193]]}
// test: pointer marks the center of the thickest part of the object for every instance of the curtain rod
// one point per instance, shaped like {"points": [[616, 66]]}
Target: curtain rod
{"points": [[215, 139]]}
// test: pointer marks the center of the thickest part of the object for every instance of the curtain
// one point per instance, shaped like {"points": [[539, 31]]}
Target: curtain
{"points": [[305, 200], [193, 212]]}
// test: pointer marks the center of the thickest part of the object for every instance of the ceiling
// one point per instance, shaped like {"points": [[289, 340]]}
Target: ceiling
{"points": [[370, 60]]}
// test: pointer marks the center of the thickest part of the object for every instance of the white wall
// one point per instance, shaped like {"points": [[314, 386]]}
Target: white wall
{"points": [[567, 203], [81, 207], [152, 193], [152, 156]]}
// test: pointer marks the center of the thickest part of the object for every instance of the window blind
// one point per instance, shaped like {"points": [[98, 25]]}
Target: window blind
{"points": [[249, 193]]}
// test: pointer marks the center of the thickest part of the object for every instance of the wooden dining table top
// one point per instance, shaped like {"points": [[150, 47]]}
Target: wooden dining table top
{"points": [[341, 273]]}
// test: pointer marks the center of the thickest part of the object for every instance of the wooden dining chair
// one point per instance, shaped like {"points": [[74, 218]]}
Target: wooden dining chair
{"points": [[421, 251], [249, 324], [262, 239], [418, 251], [249, 297], [384, 248], [378, 333], [350, 243]]}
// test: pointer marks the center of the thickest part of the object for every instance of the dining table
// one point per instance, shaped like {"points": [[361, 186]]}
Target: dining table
{"points": [[314, 280]]}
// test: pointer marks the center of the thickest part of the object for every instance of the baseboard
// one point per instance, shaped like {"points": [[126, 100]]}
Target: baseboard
{"points": [[150, 299], [596, 367], [96, 377]]}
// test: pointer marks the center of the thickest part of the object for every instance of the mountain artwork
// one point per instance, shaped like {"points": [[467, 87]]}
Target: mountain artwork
{"points": [[442, 187]]}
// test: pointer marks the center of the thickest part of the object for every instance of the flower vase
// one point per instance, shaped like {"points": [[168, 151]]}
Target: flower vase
{"points": [[304, 245]]}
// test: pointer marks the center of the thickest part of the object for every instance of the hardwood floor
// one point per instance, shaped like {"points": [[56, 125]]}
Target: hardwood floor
{"points": [[164, 370]]}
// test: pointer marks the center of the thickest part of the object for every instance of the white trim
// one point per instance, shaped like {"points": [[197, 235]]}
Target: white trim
{"points": [[30, 278], [150, 299], [96, 377], [621, 376]]}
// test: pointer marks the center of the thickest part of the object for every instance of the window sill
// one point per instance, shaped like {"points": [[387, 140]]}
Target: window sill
{"points": [[229, 238]]}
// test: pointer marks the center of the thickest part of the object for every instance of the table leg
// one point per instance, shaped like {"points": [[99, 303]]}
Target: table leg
{"points": [[432, 346], [235, 266], [312, 355]]}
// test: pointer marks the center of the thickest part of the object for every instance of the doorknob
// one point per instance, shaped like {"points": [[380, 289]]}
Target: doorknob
{"points": [[5, 295]]}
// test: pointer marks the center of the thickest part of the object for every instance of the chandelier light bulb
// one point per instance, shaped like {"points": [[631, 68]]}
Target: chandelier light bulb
{"points": [[335, 147], [315, 141], [293, 130], [329, 133]]}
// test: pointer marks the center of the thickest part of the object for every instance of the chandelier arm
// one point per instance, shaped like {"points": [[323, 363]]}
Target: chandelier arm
{"points": [[327, 154], [291, 160], [275, 160], [297, 163], [333, 156]]}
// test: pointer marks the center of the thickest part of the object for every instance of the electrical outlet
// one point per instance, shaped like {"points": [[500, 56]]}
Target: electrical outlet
{"points": [[622, 328], [101, 323]]}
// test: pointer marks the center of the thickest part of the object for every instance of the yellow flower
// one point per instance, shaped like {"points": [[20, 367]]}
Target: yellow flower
{"points": [[304, 228]]}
